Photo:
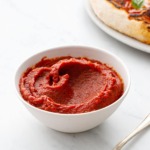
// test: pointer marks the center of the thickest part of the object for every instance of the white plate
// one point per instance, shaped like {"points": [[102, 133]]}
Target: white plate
{"points": [[120, 37]]}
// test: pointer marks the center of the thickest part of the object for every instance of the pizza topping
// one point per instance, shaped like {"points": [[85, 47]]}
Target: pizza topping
{"points": [[146, 16], [137, 9], [137, 4]]}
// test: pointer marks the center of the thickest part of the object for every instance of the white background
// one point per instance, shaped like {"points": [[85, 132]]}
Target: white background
{"points": [[30, 26]]}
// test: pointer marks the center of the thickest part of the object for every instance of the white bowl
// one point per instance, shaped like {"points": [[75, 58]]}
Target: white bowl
{"points": [[72, 123]]}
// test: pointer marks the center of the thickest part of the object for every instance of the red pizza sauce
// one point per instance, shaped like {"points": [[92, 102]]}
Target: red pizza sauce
{"points": [[70, 85], [142, 14]]}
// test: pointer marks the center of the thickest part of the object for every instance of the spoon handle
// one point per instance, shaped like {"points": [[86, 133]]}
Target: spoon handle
{"points": [[145, 123]]}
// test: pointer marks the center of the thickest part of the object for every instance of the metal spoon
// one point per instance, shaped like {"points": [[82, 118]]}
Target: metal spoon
{"points": [[145, 123]]}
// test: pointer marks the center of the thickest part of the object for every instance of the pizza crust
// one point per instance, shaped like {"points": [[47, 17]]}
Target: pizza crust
{"points": [[118, 20]]}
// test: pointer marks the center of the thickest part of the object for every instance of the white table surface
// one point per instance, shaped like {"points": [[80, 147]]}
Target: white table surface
{"points": [[29, 26]]}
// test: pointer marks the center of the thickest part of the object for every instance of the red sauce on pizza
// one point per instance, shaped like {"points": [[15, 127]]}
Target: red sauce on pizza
{"points": [[142, 14], [70, 85]]}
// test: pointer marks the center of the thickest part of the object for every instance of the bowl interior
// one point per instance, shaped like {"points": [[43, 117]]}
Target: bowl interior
{"points": [[77, 51]]}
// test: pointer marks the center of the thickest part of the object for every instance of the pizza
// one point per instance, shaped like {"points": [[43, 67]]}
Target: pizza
{"points": [[130, 17]]}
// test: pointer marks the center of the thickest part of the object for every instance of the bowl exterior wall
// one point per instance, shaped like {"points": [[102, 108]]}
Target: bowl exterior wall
{"points": [[73, 124]]}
